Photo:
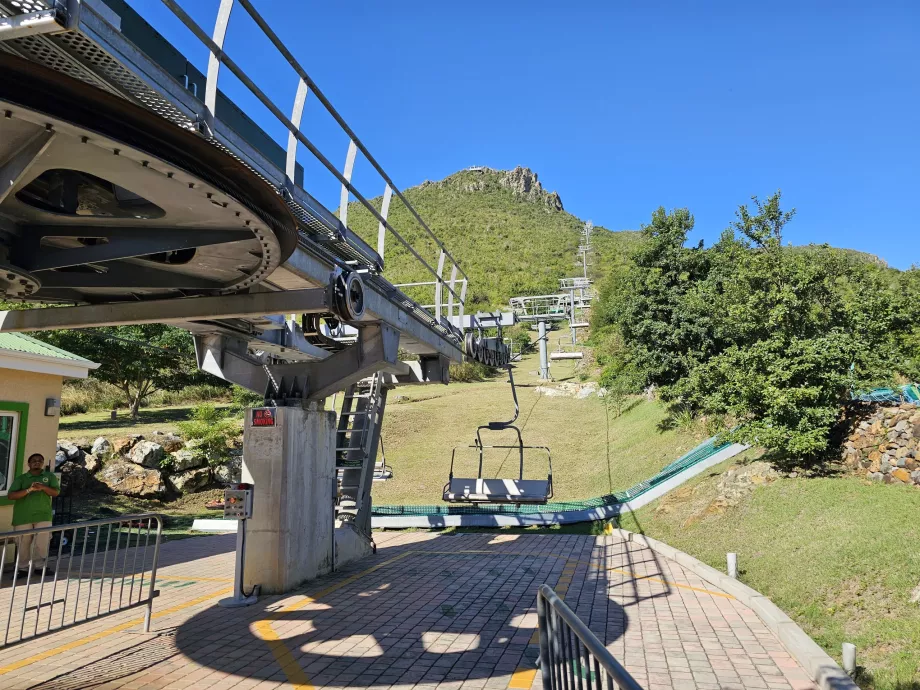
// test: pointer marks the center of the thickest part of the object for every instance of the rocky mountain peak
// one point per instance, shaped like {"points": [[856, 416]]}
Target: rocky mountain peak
{"points": [[525, 182]]}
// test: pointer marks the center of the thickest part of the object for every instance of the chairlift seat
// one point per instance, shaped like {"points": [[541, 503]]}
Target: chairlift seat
{"points": [[475, 490], [565, 355]]}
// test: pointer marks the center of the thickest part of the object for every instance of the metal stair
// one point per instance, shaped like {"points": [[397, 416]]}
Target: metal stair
{"points": [[356, 443]]}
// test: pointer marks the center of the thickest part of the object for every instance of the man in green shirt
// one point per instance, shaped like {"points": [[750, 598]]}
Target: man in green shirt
{"points": [[32, 493]]}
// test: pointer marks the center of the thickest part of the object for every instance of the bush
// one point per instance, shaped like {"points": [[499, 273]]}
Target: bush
{"points": [[470, 372], [243, 398], [210, 434], [202, 392], [89, 395]]}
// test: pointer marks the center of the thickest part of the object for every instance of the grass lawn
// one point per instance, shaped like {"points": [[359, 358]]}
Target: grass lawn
{"points": [[420, 431], [839, 555], [93, 424], [180, 513]]}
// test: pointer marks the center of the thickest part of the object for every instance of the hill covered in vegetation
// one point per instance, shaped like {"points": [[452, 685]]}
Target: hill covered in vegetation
{"points": [[510, 235]]}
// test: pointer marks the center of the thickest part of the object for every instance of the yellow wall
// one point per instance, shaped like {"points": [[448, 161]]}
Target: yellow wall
{"points": [[41, 435]]}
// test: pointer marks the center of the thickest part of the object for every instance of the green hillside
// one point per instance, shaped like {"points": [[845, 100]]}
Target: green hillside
{"points": [[509, 235]]}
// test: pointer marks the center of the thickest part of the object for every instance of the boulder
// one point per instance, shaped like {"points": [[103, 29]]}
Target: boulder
{"points": [[901, 475], [875, 476], [71, 449], [74, 476], [101, 446], [188, 482], [230, 472], [60, 457], [903, 424], [92, 463], [123, 445], [147, 453], [170, 442], [183, 460], [131, 479]]}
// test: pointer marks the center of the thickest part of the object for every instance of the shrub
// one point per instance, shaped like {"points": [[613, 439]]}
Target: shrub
{"points": [[210, 434], [470, 372]]}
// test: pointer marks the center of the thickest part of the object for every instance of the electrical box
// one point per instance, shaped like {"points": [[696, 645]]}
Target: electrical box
{"points": [[238, 503], [52, 407]]}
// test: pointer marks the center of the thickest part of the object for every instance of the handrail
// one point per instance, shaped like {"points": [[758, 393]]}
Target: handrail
{"points": [[68, 571], [219, 56], [571, 656]]}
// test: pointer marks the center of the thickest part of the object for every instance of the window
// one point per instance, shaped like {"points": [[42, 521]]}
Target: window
{"points": [[9, 435]]}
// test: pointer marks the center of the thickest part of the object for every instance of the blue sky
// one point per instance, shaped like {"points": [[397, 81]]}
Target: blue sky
{"points": [[619, 106]]}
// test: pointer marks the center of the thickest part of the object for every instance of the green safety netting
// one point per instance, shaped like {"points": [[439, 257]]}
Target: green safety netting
{"points": [[703, 451], [908, 393]]}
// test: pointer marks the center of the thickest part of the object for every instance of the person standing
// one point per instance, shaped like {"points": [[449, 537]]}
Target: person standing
{"points": [[32, 492]]}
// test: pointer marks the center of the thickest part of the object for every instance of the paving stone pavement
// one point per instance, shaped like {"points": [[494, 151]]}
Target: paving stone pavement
{"points": [[428, 612]]}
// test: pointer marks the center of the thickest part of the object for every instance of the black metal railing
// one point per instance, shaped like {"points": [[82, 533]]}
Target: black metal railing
{"points": [[65, 575], [571, 657]]}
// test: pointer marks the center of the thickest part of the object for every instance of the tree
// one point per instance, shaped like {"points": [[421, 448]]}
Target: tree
{"points": [[794, 334], [139, 360], [663, 334]]}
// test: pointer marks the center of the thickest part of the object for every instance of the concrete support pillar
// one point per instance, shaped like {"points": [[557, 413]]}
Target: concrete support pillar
{"points": [[544, 360], [291, 466]]}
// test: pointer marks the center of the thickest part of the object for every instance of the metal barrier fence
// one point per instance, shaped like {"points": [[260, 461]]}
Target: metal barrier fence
{"points": [[82, 578], [571, 657]]}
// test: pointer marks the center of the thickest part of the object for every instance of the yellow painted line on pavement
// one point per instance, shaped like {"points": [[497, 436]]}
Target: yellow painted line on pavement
{"points": [[522, 678], [194, 578], [41, 656], [283, 656]]}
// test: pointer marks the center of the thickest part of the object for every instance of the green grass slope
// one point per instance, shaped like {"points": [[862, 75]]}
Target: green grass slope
{"points": [[839, 555], [420, 431], [509, 243]]}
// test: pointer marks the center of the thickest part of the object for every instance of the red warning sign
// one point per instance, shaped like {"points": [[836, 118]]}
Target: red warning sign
{"points": [[264, 416]]}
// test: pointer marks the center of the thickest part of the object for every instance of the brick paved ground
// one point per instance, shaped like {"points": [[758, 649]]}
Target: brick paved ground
{"points": [[427, 612]]}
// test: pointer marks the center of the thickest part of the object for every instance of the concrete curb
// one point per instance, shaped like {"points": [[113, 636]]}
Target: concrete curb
{"points": [[816, 662]]}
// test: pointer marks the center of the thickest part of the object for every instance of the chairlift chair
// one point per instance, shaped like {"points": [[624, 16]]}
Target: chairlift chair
{"points": [[479, 489]]}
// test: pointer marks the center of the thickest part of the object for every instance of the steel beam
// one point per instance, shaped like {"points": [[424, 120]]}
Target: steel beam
{"points": [[13, 170], [377, 348], [311, 300], [120, 276], [124, 243], [29, 24]]}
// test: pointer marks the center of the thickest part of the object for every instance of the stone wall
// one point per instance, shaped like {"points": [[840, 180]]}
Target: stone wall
{"points": [[884, 446], [146, 467]]}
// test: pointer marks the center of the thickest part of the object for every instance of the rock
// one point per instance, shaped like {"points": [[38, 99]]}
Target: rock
{"points": [[147, 453], [131, 479], [92, 463], [892, 435], [902, 424], [551, 392], [524, 182], [60, 457], [74, 476], [875, 476], [71, 449], [902, 452], [188, 482], [885, 466], [123, 445], [101, 446], [170, 442], [915, 596], [183, 460], [910, 463], [915, 476], [586, 390], [230, 472], [901, 475]]}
